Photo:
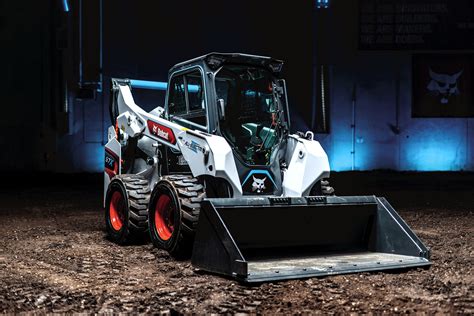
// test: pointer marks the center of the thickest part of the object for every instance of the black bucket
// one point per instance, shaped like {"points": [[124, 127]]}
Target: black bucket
{"points": [[272, 238]]}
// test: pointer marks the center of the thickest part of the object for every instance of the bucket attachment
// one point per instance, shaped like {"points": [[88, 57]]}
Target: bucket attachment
{"points": [[274, 238]]}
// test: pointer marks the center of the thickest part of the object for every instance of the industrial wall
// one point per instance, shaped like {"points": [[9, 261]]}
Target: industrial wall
{"points": [[48, 123], [21, 83], [140, 40], [380, 83]]}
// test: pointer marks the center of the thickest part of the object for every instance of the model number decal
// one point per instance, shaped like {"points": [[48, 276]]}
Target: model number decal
{"points": [[194, 146], [111, 163], [161, 132], [110, 160]]}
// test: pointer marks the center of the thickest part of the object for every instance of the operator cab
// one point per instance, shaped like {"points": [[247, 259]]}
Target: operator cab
{"points": [[240, 98], [249, 117]]}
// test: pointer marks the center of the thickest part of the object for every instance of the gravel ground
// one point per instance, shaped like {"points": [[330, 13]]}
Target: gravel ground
{"points": [[54, 257]]}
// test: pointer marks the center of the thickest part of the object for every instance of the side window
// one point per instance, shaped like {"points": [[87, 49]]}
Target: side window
{"points": [[177, 97], [195, 93], [186, 101], [197, 107], [222, 89]]}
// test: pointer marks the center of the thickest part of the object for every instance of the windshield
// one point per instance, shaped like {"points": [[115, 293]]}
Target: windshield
{"points": [[250, 116]]}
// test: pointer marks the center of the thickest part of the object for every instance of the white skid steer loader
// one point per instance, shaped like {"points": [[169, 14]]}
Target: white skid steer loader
{"points": [[215, 175]]}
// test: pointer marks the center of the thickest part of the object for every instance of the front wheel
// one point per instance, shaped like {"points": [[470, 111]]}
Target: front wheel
{"points": [[173, 214]]}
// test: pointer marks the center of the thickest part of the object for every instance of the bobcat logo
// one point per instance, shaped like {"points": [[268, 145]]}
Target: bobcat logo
{"points": [[258, 184], [443, 85]]}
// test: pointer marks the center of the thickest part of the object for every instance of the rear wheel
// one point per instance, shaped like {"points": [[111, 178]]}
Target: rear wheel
{"points": [[126, 215], [174, 213]]}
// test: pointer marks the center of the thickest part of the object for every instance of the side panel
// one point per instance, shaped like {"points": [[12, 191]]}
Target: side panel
{"points": [[134, 121], [308, 163], [112, 161], [210, 155], [206, 154]]}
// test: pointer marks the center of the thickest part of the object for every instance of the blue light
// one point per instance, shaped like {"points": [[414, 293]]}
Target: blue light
{"points": [[436, 146], [340, 158], [434, 157], [152, 85], [157, 85], [428, 145], [322, 4], [94, 158], [65, 5]]}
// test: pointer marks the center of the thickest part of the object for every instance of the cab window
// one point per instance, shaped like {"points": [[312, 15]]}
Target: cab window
{"points": [[186, 102], [177, 97], [196, 102]]}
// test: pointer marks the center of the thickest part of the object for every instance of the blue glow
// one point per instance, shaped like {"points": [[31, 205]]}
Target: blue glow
{"points": [[434, 157], [414, 156], [428, 145], [65, 6], [340, 158], [322, 4], [251, 93], [440, 148], [157, 85], [152, 85], [259, 171], [89, 158]]}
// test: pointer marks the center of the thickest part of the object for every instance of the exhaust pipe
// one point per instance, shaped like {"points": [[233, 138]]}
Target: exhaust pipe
{"points": [[275, 238]]}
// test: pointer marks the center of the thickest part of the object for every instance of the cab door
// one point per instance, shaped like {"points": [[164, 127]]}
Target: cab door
{"points": [[187, 106]]}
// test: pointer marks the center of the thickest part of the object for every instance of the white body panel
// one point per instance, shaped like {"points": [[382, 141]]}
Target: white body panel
{"points": [[211, 155], [308, 163], [133, 121], [220, 162]]}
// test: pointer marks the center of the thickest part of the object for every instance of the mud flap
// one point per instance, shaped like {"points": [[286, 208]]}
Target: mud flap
{"points": [[274, 238]]}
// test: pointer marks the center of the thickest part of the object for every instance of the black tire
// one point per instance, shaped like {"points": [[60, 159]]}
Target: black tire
{"points": [[174, 213], [322, 188], [127, 197]]}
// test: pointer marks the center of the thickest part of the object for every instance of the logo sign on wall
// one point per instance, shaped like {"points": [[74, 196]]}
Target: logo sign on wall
{"points": [[443, 85]]}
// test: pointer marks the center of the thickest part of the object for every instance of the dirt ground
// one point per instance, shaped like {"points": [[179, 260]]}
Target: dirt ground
{"points": [[54, 257]]}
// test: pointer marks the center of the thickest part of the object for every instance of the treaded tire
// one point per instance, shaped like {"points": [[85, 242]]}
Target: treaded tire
{"points": [[185, 194], [133, 222]]}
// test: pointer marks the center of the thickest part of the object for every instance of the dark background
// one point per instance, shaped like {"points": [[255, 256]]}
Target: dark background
{"points": [[55, 115], [47, 128], [54, 254]]}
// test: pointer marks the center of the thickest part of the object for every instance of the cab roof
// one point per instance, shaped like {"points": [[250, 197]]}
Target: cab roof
{"points": [[215, 60]]}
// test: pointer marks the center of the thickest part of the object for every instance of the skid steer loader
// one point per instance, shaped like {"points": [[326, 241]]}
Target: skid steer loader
{"points": [[217, 176]]}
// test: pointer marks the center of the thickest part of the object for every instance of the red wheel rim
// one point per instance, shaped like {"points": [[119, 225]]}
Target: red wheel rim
{"points": [[164, 217], [117, 210]]}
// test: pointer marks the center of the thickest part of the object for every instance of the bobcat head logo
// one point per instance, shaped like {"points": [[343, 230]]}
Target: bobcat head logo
{"points": [[443, 85], [258, 184]]}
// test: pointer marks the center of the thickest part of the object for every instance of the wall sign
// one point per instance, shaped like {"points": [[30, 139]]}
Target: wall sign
{"points": [[416, 24], [443, 85]]}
